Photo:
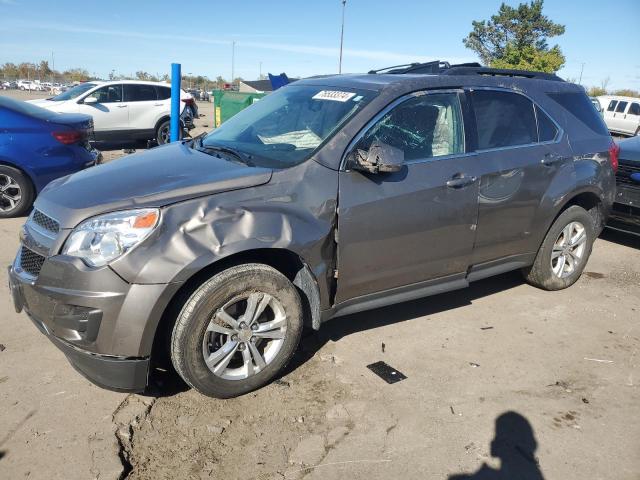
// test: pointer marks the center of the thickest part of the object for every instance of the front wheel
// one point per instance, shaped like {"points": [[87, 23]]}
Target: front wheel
{"points": [[237, 331], [564, 252]]}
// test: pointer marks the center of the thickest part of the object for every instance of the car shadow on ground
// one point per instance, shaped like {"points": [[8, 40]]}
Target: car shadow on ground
{"points": [[340, 327], [515, 444], [623, 238], [165, 382]]}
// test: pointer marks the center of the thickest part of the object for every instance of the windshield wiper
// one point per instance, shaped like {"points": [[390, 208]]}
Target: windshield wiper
{"points": [[243, 157]]}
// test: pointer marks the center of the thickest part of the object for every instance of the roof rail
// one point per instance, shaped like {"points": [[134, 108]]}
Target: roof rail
{"points": [[438, 67], [435, 66], [499, 72]]}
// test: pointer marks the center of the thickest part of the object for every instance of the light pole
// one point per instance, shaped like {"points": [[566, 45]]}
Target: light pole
{"points": [[344, 2], [581, 70], [233, 61], [190, 80]]}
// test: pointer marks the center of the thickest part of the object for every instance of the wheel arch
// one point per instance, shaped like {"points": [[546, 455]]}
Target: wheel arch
{"points": [[30, 176], [290, 264]]}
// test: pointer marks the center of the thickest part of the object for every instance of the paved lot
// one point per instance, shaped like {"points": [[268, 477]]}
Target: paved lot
{"points": [[556, 373]]}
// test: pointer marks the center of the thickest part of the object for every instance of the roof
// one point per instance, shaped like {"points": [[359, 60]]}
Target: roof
{"points": [[412, 82], [260, 85]]}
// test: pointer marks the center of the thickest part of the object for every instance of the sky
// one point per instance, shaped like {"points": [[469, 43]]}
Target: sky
{"points": [[299, 37]]}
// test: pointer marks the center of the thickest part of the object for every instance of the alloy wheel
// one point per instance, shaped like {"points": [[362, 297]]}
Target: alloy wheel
{"points": [[568, 250], [244, 336], [10, 193]]}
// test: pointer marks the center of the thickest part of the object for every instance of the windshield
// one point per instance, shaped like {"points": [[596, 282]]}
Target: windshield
{"points": [[74, 92], [286, 127]]}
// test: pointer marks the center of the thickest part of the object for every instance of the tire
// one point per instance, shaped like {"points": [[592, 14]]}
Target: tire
{"points": [[16, 192], [569, 259], [203, 329], [163, 132]]}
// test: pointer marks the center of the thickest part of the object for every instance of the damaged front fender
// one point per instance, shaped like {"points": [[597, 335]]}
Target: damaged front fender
{"points": [[295, 211]]}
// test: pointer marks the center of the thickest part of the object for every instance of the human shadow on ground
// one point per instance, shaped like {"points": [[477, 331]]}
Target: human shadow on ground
{"points": [[515, 445]]}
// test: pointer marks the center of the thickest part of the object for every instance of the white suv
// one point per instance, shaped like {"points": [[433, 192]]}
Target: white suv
{"points": [[621, 114], [124, 110]]}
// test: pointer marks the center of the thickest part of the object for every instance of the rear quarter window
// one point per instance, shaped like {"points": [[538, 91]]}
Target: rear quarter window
{"points": [[579, 107]]}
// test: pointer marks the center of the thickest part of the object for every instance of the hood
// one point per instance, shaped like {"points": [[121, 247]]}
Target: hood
{"points": [[630, 150], [157, 177]]}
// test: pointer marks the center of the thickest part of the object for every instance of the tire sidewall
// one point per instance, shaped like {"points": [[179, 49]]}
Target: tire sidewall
{"points": [[167, 124], [26, 188], [188, 334], [572, 214]]}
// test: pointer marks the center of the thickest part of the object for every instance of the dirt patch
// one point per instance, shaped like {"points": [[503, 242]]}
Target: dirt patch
{"points": [[277, 432]]}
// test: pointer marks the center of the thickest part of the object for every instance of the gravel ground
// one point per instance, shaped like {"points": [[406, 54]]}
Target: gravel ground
{"points": [[502, 379]]}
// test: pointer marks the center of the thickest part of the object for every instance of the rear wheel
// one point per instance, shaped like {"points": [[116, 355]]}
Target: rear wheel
{"points": [[16, 192], [237, 331], [564, 252], [163, 133]]}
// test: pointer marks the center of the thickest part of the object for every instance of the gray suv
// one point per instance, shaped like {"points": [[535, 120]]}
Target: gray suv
{"points": [[330, 196]]}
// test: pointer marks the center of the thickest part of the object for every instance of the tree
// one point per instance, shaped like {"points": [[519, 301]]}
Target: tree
{"points": [[76, 75], [596, 91], [517, 38], [627, 92], [44, 70]]}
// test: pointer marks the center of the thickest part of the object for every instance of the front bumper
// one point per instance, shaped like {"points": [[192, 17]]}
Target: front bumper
{"points": [[103, 325]]}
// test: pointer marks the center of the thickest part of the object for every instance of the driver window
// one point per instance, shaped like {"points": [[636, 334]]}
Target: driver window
{"points": [[108, 94], [423, 127]]}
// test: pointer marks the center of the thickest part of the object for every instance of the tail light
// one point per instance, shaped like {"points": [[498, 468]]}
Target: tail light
{"points": [[614, 151], [69, 137]]}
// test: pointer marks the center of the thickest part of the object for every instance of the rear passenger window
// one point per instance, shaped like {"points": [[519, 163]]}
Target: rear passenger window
{"points": [[503, 119], [163, 93], [423, 127], [621, 107], [547, 130], [612, 105], [634, 109], [139, 93]]}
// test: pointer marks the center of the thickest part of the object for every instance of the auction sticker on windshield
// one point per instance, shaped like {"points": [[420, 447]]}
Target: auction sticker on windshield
{"points": [[334, 95]]}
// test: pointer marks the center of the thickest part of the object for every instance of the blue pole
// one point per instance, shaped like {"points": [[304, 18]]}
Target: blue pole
{"points": [[175, 102]]}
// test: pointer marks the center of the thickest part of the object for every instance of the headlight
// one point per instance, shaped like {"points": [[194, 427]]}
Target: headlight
{"points": [[101, 239]]}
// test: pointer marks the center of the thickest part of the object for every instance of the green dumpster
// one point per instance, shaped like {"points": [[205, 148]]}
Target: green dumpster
{"points": [[226, 103]]}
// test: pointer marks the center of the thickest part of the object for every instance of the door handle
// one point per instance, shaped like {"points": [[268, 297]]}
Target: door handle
{"points": [[460, 181], [121, 106], [550, 159], [158, 104]]}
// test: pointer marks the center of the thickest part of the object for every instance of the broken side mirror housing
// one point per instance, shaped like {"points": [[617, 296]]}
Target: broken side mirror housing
{"points": [[380, 158]]}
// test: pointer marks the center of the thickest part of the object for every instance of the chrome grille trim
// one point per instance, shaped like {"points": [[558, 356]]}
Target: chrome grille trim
{"points": [[44, 221], [30, 261]]}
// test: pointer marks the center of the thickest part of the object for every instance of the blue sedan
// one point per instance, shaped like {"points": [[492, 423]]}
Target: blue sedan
{"points": [[37, 146]]}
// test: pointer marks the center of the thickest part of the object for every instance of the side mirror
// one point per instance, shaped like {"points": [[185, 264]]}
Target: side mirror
{"points": [[90, 100], [381, 158]]}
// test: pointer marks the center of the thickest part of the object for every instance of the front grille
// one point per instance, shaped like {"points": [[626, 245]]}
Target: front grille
{"points": [[30, 261], [623, 176], [45, 221]]}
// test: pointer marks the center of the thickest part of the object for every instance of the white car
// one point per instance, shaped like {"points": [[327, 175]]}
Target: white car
{"points": [[621, 114], [124, 110], [29, 85]]}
